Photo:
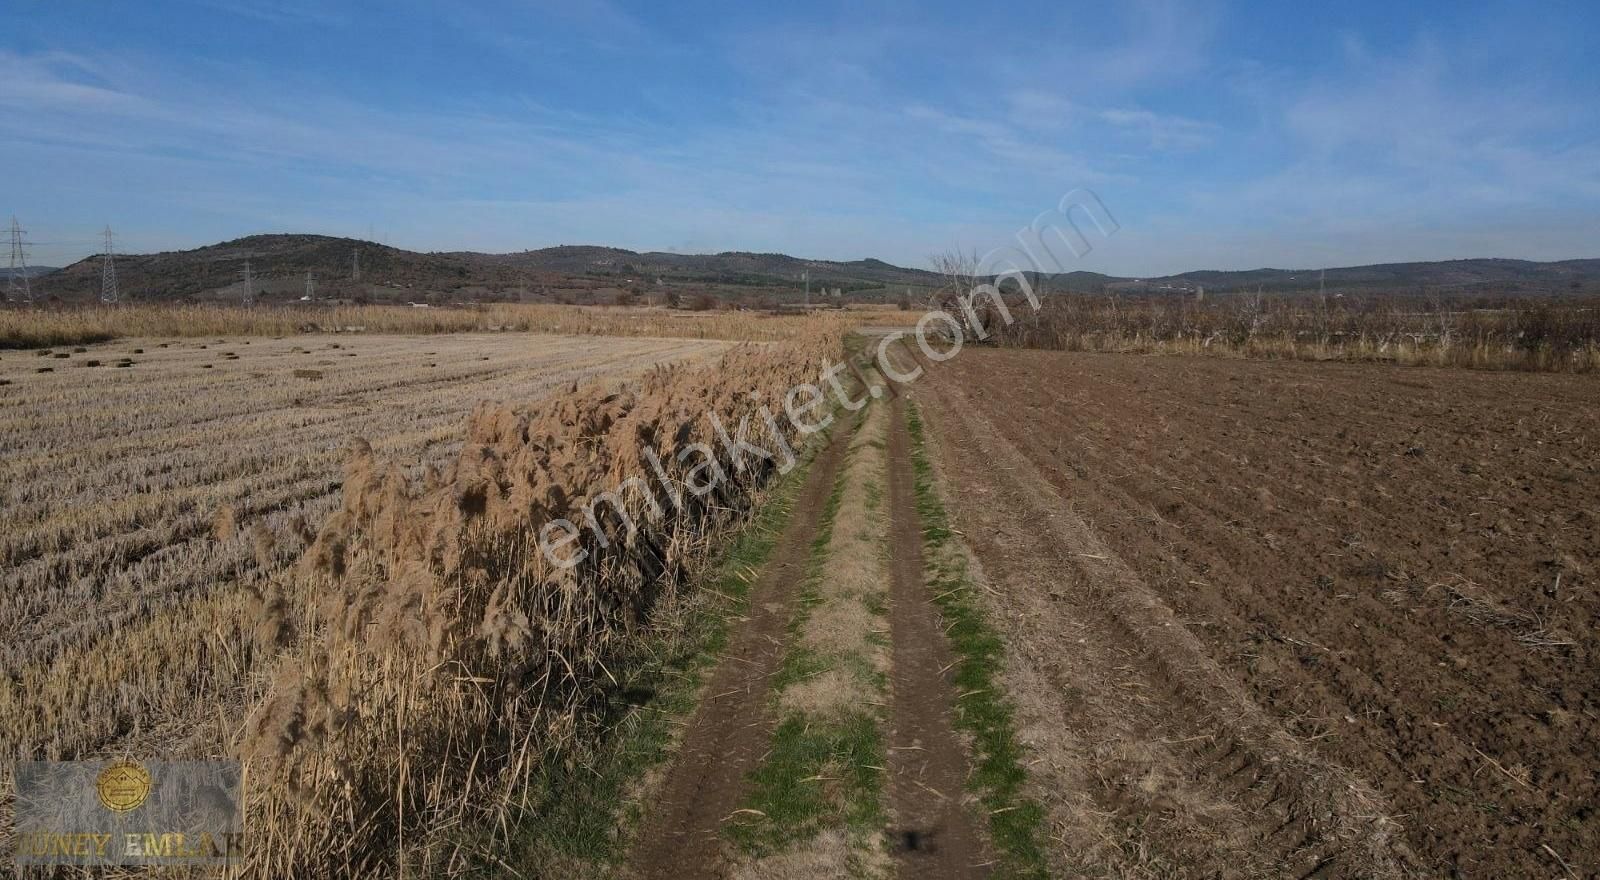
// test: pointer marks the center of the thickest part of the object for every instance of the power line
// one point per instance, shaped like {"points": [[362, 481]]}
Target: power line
{"points": [[108, 272], [18, 292]]}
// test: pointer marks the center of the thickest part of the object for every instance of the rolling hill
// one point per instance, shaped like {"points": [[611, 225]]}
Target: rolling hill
{"points": [[279, 264], [1489, 273]]}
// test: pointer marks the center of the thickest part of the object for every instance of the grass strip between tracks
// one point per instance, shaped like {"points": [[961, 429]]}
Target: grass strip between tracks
{"points": [[817, 798], [1016, 821]]}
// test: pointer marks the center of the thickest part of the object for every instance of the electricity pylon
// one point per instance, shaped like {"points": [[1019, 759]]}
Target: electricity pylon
{"points": [[108, 273], [249, 298], [18, 287]]}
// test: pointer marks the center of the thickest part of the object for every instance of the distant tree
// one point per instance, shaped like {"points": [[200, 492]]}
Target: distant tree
{"points": [[960, 271], [674, 299], [702, 302], [626, 297]]}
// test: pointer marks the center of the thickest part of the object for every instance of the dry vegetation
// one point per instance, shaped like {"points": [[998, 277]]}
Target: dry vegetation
{"points": [[1518, 334], [816, 806], [32, 328], [151, 514], [430, 659]]}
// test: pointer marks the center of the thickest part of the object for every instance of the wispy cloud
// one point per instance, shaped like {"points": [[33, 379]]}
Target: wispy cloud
{"points": [[292, 12], [51, 81], [1163, 132], [858, 131]]}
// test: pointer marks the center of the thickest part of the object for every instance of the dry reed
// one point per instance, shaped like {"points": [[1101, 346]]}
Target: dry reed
{"points": [[1515, 334], [145, 514], [442, 659]]}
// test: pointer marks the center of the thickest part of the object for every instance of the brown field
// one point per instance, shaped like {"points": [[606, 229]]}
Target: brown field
{"points": [[79, 325], [140, 502], [287, 550], [1183, 617], [1289, 619]]}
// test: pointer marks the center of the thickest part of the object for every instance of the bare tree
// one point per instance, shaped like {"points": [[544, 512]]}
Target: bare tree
{"points": [[960, 271]]}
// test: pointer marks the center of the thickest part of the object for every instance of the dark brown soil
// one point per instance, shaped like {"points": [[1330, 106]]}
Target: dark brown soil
{"points": [[934, 834], [732, 726], [1285, 619]]}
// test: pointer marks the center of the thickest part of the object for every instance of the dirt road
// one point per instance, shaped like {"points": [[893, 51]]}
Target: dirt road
{"points": [[732, 726], [1287, 619], [867, 625]]}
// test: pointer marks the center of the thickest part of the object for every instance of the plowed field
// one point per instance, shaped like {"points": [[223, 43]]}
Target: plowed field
{"points": [[1290, 619]]}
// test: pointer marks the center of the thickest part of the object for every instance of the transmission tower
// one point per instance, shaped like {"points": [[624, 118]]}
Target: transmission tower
{"points": [[355, 265], [311, 287], [18, 287], [249, 298], [108, 272]]}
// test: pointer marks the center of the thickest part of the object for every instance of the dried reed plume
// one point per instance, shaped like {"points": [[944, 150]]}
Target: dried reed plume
{"points": [[441, 658]]}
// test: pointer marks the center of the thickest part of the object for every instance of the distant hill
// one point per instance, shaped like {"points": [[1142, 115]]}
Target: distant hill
{"points": [[1496, 275], [279, 264], [731, 267], [33, 271]]}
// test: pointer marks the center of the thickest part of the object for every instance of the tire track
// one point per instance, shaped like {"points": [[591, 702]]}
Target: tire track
{"points": [[935, 836], [732, 725]]}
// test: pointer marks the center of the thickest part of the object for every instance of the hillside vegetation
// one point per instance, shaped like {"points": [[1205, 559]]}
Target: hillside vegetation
{"points": [[280, 262]]}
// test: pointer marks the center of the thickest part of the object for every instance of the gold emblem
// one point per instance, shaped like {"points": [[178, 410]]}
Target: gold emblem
{"points": [[123, 786]]}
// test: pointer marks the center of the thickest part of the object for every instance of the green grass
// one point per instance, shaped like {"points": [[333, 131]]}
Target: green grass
{"points": [[816, 776], [582, 814], [1016, 821]]}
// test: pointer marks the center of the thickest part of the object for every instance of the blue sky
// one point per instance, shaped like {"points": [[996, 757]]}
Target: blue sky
{"points": [[1219, 135]]}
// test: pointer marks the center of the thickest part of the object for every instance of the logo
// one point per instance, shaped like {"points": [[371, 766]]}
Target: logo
{"points": [[114, 813], [123, 786]]}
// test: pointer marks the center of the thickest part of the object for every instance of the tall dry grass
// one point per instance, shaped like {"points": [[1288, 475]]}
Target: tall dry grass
{"points": [[429, 659], [1540, 335], [145, 512], [34, 328]]}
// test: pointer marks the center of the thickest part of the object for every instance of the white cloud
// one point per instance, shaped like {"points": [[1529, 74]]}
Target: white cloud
{"points": [[53, 80], [1164, 132]]}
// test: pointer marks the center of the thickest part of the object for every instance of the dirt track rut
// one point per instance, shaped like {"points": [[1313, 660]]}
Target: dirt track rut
{"points": [[733, 723], [935, 836]]}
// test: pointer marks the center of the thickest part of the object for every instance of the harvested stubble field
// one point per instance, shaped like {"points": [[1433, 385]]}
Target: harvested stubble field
{"points": [[82, 325], [1290, 619], [141, 503], [317, 554]]}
